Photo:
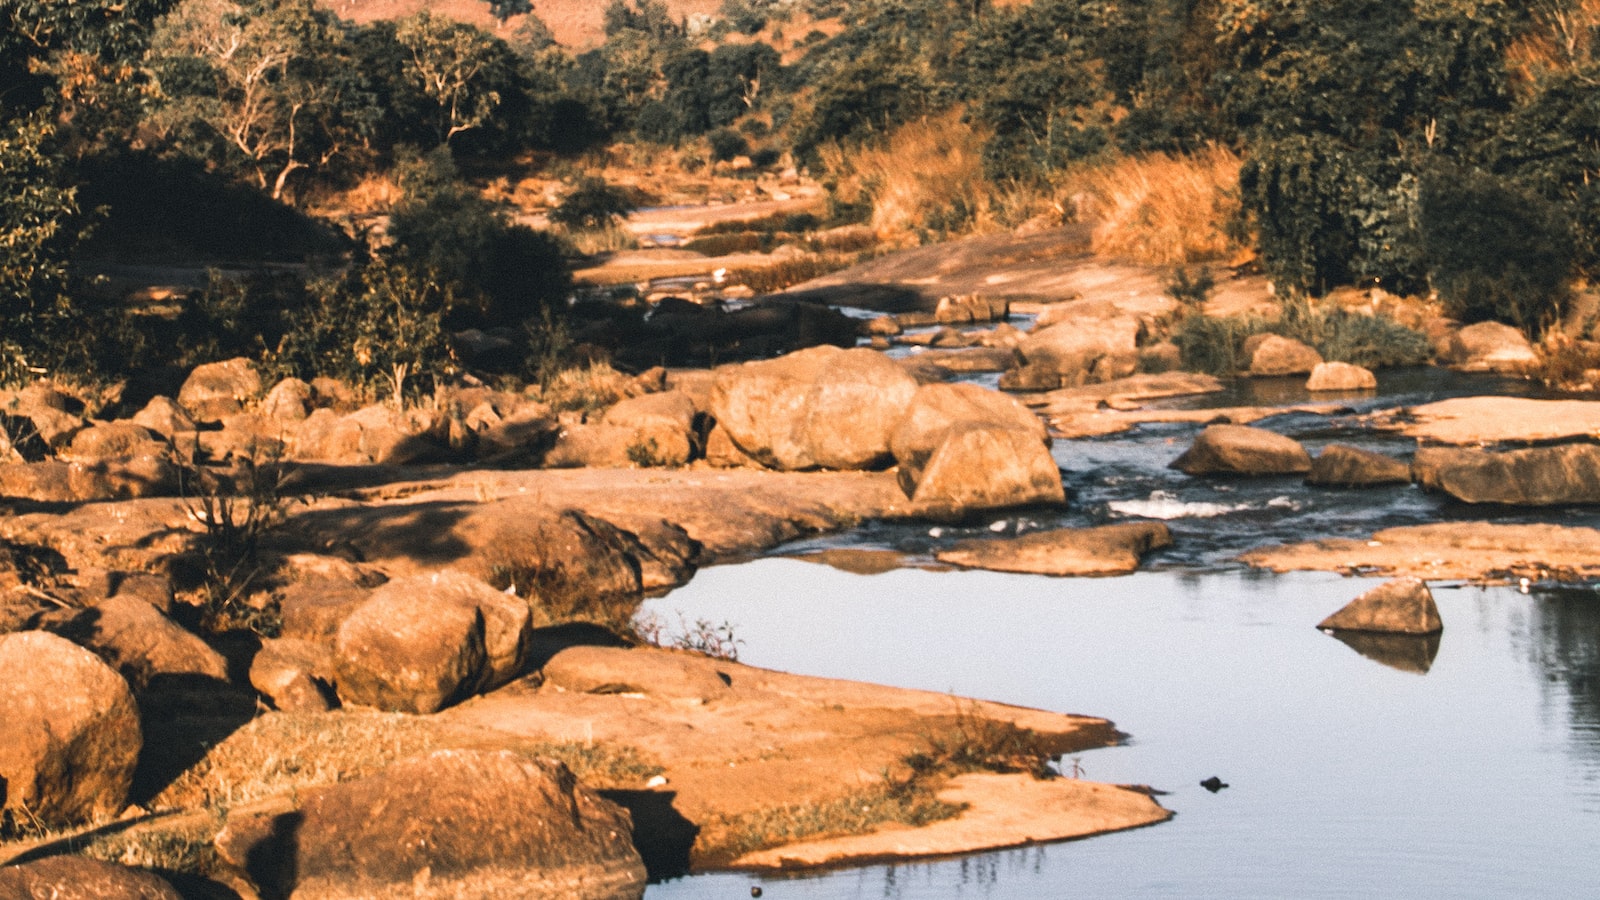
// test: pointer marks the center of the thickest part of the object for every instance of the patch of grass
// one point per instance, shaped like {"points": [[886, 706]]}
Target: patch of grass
{"points": [[1215, 345], [186, 845], [927, 175], [279, 753], [1565, 363], [975, 743], [1161, 209], [784, 273], [570, 569], [587, 389], [910, 803]]}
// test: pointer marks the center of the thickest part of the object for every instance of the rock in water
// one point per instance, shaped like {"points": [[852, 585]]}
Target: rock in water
{"points": [[1341, 376], [1402, 606], [69, 734], [1107, 550], [81, 878], [1272, 354], [1538, 476], [819, 408], [454, 823], [1242, 450], [1343, 466]]}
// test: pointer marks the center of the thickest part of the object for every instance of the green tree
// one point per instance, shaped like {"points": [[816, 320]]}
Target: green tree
{"points": [[465, 72], [39, 225]]}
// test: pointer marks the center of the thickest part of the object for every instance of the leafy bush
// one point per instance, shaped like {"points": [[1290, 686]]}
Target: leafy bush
{"points": [[727, 144], [1497, 251], [1216, 344], [592, 203]]}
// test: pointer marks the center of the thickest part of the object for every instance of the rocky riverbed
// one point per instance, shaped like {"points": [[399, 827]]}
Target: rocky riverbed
{"points": [[203, 589]]}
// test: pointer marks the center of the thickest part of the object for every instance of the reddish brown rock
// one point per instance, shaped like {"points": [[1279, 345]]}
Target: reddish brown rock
{"points": [[1402, 606], [1490, 347], [1106, 550], [295, 675], [1272, 355], [1538, 476], [1339, 465], [401, 656], [981, 467], [141, 643], [937, 409], [1243, 450], [506, 618], [70, 735], [454, 823], [217, 390], [818, 408], [81, 878], [1340, 376]]}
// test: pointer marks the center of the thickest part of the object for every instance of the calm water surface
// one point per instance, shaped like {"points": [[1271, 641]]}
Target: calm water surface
{"points": [[1349, 777]]}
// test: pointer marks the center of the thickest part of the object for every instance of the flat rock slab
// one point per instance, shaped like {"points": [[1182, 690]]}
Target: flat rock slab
{"points": [[1487, 420], [745, 740], [1472, 551], [1106, 550], [1020, 807]]}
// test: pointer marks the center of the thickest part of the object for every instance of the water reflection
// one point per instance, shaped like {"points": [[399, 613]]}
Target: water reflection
{"points": [[1349, 779], [1407, 652]]}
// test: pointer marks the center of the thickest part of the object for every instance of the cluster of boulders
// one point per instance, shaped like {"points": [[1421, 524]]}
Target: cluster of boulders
{"points": [[1553, 475]]}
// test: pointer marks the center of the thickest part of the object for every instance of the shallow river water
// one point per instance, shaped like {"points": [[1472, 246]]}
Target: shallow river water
{"points": [[1350, 775]]}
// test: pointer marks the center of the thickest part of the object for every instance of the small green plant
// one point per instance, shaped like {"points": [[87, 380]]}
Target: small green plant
{"points": [[592, 203], [976, 743], [715, 641], [646, 454], [235, 510], [1191, 288]]}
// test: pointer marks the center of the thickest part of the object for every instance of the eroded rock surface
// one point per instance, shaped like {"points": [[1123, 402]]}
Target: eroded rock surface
{"points": [[1402, 606], [1106, 550], [1538, 476], [1340, 465], [70, 734], [81, 878], [453, 823], [1243, 450]]}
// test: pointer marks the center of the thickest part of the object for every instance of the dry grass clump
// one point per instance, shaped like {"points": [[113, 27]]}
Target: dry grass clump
{"points": [[785, 273], [926, 176], [1561, 39], [910, 803], [279, 753], [1161, 209], [588, 388]]}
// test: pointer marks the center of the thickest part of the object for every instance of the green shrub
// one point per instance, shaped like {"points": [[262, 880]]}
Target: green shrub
{"points": [[592, 203], [1496, 251], [727, 144], [1215, 345]]}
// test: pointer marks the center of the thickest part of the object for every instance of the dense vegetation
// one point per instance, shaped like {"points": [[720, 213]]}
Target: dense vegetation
{"points": [[1422, 144]]}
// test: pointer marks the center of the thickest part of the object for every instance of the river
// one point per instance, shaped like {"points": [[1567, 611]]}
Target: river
{"points": [[1469, 770]]}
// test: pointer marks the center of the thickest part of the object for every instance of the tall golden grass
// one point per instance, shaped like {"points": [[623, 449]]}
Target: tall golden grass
{"points": [[916, 177], [1161, 209], [1562, 38]]}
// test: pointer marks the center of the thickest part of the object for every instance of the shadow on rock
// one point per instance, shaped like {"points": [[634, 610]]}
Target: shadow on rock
{"points": [[184, 716], [1406, 652], [547, 642], [661, 834]]}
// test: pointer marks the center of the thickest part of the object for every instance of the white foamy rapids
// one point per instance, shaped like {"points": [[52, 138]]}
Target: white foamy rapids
{"points": [[1164, 505]]}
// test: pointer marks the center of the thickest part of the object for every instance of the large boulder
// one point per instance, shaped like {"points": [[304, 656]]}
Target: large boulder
{"points": [[70, 736], [394, 653], [1272, 355], [1106, 550], [142, 644], [1340, 465], [113, 440], [1537, 476], [1242, 450], [1402, 606], [373, 434], [507, 627], [217, 390], [165, 417], [983, 467], [1489, 347], [937, 409], [660, 425], [290, 400], [295, 675], [1330, 377], [81, 878], [1089, 341], [821, 408], [672, 675], [52, 416], [454, 823]]}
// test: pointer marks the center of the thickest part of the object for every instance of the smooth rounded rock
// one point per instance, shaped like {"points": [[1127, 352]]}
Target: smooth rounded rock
{"points": [[980, 467], [81, 878], [1106, 550], [1340, 376], [1274, 355], [506, 617], [395, 654], [1340, 465], [1537, 476], [454, 823], [1243, 450], [70, 735]]}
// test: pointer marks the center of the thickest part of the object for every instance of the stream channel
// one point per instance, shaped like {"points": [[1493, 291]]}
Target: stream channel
{"points": [[1469, 768]]}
